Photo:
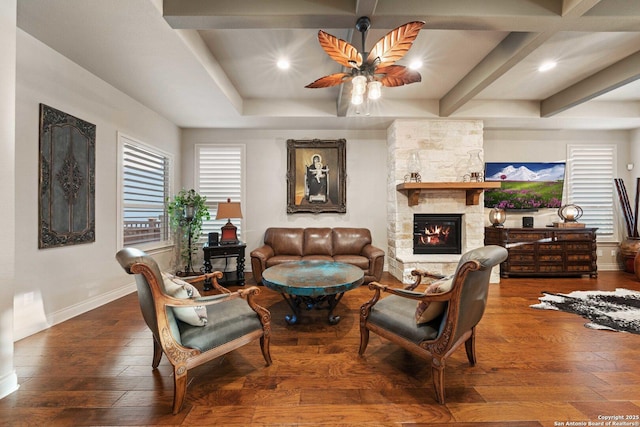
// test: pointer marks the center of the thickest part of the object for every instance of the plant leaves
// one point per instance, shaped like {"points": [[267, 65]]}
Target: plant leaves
{"points": [[394, 45], [339, 50], [397, 75], [330, 80]]}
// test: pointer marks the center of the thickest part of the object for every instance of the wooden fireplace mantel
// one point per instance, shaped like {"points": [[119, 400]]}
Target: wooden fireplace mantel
{"points": [[473, 189]]}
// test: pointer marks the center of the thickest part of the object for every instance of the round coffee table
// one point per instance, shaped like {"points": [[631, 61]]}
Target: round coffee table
{"points": [[312, 284]]}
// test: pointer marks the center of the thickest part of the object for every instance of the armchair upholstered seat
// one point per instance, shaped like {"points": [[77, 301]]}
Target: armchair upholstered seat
{"points": [[394, 317], [233, 319]]}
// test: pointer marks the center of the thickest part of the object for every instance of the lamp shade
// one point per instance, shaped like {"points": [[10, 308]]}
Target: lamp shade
{"points": [[229, 210]]}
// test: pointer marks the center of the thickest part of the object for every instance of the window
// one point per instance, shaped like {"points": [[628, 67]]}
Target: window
{"points": [[144, 185], [219, 176], [590, 173]]}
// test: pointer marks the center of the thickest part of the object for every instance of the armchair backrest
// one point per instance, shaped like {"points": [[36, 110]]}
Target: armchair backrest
{"points": [[127, 257], [475, 286]]}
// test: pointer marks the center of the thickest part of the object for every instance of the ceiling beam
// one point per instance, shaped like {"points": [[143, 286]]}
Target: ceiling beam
{"points": [[513, 49], [612, 77], [577, 7], [488, 15]]}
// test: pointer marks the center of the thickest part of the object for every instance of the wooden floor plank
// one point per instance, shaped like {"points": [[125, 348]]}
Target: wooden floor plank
{"points": [[535, 368]]}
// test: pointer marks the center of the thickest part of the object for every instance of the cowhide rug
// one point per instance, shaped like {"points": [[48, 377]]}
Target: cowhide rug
{"points": [[617, 310]]}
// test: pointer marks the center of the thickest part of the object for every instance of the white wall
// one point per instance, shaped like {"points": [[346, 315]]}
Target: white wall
{"points": [[58, 283], [8, 377], [634, 153], [266, 184]]}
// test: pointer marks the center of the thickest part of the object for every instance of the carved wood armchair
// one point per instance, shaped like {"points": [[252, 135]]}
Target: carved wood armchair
{"points": [[394, 317], [233, 320]]}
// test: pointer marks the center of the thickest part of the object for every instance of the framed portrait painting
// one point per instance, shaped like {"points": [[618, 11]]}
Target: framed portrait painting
{"points": [[316, 176]]}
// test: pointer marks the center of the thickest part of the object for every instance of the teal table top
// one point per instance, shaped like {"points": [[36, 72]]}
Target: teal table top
{"points": [[312, 278]]}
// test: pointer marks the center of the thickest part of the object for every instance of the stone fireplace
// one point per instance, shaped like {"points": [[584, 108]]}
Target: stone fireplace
{"points": [[443, 146]]}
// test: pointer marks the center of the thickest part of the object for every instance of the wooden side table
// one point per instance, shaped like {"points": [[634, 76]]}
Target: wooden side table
{"points": [[226, 252]]}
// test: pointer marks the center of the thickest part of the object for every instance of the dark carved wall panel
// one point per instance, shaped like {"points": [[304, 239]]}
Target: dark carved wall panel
{"points": [[67, 179]]}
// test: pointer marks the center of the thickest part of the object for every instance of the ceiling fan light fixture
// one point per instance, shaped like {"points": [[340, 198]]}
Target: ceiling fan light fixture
{"points": [[374, 90], [359, 85], [378, 68], [357, 99]]}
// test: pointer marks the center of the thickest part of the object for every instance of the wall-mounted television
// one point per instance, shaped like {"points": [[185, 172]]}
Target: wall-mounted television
{"points": [[525, 185]]}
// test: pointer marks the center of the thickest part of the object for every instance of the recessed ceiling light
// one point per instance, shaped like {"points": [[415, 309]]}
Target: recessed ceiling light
{"points": [[546, 66], [416, 64], [283, 64]]}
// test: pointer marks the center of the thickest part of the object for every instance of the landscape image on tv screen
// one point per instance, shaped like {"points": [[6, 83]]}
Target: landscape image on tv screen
{"points": [[525, 186]]}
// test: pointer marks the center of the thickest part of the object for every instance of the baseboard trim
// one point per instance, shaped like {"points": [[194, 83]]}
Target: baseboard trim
{"points": [[72, 311], [8, 384]]}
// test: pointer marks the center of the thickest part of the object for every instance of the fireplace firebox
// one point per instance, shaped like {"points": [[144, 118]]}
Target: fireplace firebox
{"points": [[437, 234]]}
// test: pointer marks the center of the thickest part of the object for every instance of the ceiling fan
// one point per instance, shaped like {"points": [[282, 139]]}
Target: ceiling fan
{"points": [[378, 69]]}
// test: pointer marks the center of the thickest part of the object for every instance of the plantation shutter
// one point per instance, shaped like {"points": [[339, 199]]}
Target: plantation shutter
{"points": [[144, 185], [590, 174], [219, 176]]}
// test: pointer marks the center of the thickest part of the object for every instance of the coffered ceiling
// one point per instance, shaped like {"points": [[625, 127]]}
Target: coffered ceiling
{"points": [[212, 64]]}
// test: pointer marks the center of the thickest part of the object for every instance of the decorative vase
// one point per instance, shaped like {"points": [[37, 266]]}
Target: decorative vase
{"points": [[475, 166], [629, 250], [636, 265]]}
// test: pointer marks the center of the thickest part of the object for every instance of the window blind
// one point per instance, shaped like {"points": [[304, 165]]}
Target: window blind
{"points": [[219, 176], [145, 187], [591, 170]]}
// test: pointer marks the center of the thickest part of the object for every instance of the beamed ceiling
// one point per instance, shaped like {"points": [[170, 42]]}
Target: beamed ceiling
{"points": [[212, 64]]}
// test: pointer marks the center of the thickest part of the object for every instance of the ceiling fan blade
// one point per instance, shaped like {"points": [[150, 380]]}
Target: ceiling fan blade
{"points": [[339, 50], [395, 44], [330, 80], [397, 75]]}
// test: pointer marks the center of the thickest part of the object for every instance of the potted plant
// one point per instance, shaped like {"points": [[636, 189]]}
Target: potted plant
{"points": [[186, 212]]}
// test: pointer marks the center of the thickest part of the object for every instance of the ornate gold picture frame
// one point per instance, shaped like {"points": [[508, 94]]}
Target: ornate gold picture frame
{"points": [[316, 176]]}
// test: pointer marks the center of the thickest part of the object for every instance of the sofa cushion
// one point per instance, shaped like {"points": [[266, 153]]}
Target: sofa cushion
{"points": [[350, 241], [234, 319], [427, 311], [357, 260], [317, 258], [391, 313], [285, 241], [178, 288], [318, 241], [279, 259]]}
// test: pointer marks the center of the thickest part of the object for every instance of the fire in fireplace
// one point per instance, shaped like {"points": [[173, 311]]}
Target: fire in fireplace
{"points": [[437, 233]]}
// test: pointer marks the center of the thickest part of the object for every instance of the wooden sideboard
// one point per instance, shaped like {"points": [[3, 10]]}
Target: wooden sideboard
{"points": [[546, 251]]}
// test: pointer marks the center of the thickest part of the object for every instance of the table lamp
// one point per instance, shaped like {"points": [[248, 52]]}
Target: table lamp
{"points": [[229, 209]]}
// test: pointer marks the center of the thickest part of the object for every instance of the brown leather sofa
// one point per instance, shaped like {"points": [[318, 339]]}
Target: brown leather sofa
{"points": [[348, 245]]}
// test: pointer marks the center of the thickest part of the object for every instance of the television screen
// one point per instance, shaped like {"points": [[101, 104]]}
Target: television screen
{"points": [[525, 186]]}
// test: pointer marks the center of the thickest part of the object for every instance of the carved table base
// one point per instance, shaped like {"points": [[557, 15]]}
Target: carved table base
{"points": [[295, 302]]}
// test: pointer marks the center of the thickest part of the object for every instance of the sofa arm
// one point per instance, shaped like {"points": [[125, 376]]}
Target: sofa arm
{"points": [[259, 257], [376, 260]]}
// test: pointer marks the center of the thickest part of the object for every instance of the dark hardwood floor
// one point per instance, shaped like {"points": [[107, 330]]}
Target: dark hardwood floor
{"points": [[535, 368]]}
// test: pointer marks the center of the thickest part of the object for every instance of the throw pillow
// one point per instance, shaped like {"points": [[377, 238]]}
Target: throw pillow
{"points": [[427, 311], [178, 288]]}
